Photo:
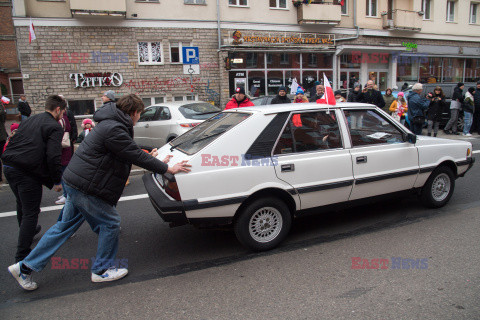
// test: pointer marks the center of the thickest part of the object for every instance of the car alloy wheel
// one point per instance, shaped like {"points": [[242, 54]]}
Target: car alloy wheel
{"points": [[263, 223], [440, 187]]}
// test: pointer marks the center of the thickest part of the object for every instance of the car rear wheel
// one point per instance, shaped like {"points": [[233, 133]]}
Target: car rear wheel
{"points": [[439, 187], [263, 224], [460, 124]]}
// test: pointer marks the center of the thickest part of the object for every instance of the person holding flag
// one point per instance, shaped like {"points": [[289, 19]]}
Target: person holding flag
{"points": [[328, 96]]}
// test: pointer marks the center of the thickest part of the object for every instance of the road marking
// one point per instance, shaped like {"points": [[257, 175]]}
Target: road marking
{"points": [[54, 208], [477, 151]]}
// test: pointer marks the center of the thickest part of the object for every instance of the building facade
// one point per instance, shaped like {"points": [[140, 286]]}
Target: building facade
{"points": [[86, 47]]}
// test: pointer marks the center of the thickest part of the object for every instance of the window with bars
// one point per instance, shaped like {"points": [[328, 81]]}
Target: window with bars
{"points": [[278, 4], [186, 98], [152, 100], [239, 3], [150, 53]]}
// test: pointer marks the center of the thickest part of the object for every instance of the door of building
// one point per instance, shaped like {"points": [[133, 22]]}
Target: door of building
{"points": [[348, 79], [379, 77]]}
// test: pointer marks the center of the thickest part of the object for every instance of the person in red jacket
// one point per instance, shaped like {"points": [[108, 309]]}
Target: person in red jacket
{"points": [[239, 100]]}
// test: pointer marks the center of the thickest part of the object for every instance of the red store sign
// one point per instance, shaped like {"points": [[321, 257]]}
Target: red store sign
{"points": [[374, 57]]}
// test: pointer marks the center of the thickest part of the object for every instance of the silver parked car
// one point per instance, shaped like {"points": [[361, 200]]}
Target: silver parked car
{"points": [[163, 122]]}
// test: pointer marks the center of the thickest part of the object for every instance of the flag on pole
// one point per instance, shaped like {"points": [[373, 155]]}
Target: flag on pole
{"points": [[328, 97], [342, 2], [31, 35]]}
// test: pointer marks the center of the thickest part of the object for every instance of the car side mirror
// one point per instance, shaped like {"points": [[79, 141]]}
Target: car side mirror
{"points": [[411, 138]]}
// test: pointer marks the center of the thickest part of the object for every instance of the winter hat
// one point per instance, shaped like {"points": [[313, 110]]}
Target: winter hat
{"points": [[471, 90], [338, 92], [317, 83], [460, 84], [240, 90], [300, 90], [14, 126], [87, 121], [401, 94], [110, 94], [282, 88]]}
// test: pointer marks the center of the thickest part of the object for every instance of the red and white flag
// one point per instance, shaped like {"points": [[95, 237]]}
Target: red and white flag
{"points": [[31, 35], [328, 97]]}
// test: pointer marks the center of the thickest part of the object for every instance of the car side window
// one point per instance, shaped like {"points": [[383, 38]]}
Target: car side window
{"points": [[163, 113], [148, 114], [309, 131], [367, 127]]}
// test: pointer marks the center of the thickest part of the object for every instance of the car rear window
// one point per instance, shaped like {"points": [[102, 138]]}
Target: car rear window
{"points": [[198, 111], [208, 131]]}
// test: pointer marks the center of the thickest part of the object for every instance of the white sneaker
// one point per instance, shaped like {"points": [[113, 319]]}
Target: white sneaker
{"points": [[111, 274], [61, 200], [24, 280], [468, 135]]}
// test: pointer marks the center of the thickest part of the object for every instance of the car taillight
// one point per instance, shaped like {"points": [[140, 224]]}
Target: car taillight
{"points": [[171, 187], [188, 125]]}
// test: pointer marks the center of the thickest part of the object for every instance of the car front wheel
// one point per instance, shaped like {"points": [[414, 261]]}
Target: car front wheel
{"points": [[263, 224], [439, 187]]}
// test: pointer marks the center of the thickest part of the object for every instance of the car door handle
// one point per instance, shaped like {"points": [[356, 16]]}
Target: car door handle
{"points": [[147, 125], [288, 167], [362, 159]]}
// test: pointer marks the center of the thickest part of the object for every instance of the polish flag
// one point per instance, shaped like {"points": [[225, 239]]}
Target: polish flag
{"points": [[328, 97], [342, 2], [31, 35]]}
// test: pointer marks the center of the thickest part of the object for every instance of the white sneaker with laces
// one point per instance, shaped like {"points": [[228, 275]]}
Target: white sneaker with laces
{"points": [[24, 280], [468, 135], [111, 274], [61, 200]]}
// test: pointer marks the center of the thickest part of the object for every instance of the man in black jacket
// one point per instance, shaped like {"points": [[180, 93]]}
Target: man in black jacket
{"points": [[371, 96], [24, 107], [94, 181], [281, 97], [32, 159]]}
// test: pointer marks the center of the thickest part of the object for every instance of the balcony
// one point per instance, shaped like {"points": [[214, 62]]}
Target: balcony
{"points": [[402, 20], [92, 8], [319, 12]]}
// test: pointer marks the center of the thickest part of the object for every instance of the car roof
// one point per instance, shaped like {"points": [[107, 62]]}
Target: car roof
{"points": [[288, 107]]}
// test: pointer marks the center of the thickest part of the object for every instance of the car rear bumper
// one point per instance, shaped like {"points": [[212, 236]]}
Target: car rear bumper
{"points": [[171, 211]]}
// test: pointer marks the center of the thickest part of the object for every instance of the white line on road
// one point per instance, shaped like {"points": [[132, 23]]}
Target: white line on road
{"points": [[54, 208], [477, 151]]}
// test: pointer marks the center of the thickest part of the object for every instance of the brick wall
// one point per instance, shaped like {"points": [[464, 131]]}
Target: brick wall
{"points": [[60, 51]]}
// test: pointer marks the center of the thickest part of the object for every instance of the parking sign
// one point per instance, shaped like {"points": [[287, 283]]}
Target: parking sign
{"points": [[190, 55]]}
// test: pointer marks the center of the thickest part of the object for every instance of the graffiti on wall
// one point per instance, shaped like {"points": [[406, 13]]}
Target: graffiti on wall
{"points": [[58, 57], [155, 84]]}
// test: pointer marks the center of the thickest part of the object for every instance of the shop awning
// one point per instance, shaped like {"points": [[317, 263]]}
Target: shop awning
{"points": [[348, 48]]}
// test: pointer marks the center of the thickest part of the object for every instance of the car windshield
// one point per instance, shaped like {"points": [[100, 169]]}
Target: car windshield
{"points": [[198, 111], [208, 131]]}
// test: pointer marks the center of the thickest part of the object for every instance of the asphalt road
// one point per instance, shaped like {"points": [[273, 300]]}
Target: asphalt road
{"points": [[186, 273]]}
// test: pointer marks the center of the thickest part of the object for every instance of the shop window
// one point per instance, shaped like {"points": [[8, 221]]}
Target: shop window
{"points": [[238, 3], [150, 53], [407, 69], [347, 62], [290, 77], [308, 79], [274, 81], [81, 107], [426, 8], [317, 60], [371, 8], [450, 11], [453, 69], [194, 2], [473, 12], [284, 60], [176, 51], [256, 83], [148, 101], [188, 97], [472, 70], [278, 4], [430, 70]]}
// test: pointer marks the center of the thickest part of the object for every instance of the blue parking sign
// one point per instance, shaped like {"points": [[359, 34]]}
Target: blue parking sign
{"points": [[190, 55]]}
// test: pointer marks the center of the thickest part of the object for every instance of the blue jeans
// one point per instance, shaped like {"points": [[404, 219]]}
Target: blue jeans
{"points": [[102, 217], [467, 122]]}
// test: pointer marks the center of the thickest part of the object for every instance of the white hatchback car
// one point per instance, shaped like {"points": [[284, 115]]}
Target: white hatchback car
{"points": [[257, 168], [161, 123]]}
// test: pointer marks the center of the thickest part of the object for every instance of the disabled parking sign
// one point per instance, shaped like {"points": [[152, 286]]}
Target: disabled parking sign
{"points": [[190, 55]]}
